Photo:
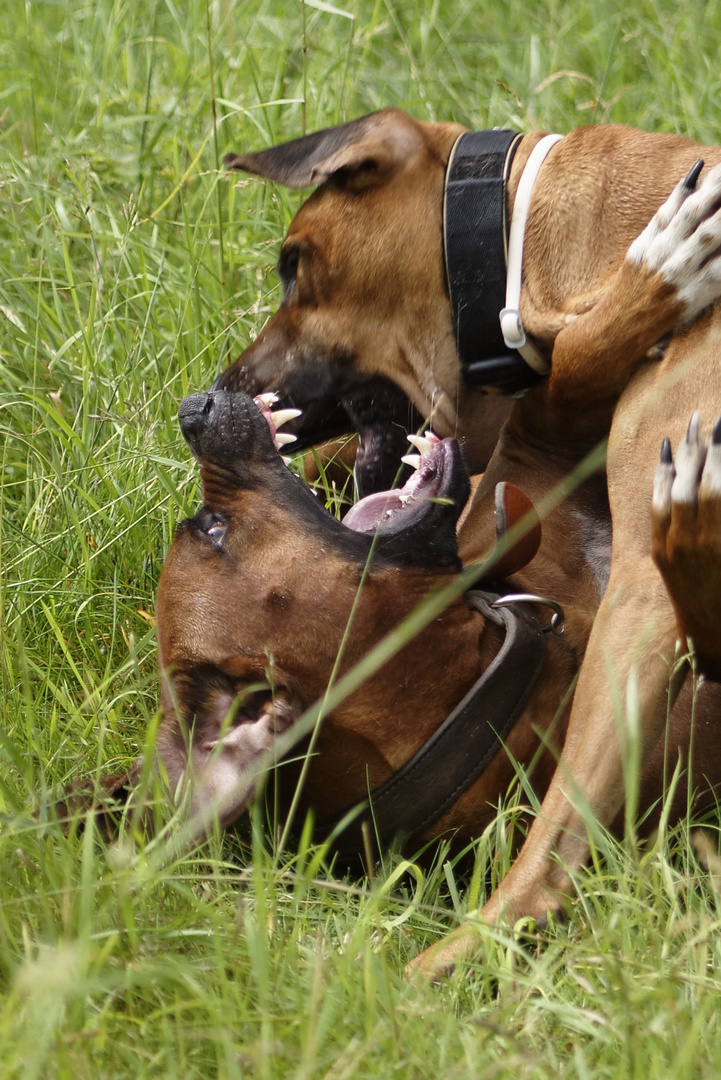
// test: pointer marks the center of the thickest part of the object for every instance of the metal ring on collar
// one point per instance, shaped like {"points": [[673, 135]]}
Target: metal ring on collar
{"points": [[558, 620]]}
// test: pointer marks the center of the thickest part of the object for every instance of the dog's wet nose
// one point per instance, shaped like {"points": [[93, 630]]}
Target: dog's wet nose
{"points": [[194, 412]]}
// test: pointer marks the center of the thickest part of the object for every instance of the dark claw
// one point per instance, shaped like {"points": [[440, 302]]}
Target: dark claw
{"points": [[694, 173], [716, 437], [666, 455]]}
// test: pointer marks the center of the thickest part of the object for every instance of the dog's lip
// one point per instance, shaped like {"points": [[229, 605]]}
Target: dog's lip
{"points": [[431, 482]]}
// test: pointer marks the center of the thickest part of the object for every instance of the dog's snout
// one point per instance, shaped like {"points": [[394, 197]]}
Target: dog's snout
{"points": [[194, 412]]}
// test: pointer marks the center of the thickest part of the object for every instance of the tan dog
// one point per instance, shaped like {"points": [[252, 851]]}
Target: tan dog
{"points": [[364, 298]]}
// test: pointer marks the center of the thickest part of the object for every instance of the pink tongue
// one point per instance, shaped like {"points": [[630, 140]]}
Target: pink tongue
{"points": [[367, 513]]}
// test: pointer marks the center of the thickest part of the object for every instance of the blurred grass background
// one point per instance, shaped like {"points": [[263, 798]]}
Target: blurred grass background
{"points": [[131, 269]]}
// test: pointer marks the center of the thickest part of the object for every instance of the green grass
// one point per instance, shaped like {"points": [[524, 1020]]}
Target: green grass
{"points": [[130, 269]]}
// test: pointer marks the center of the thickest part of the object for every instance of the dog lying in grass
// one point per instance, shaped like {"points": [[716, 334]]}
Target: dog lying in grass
{"points": [[265, 598]]}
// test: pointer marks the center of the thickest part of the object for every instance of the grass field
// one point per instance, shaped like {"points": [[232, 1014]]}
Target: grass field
{"points": [[131, 268]]}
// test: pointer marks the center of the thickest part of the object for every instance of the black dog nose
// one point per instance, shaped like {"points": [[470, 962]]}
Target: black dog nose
{"points": [[194, 412]]}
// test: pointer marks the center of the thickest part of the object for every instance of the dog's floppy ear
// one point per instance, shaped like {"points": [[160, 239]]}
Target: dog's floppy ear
{"points": [[366, 150], [513, 507]]}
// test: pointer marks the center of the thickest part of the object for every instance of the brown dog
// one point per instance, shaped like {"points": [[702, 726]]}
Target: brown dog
{"points": [[365, 299], [263, 591], [259, 591]]}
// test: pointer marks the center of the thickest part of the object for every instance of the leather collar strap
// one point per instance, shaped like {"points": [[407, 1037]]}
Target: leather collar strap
{"points": [[465, 743], [476, 249]]}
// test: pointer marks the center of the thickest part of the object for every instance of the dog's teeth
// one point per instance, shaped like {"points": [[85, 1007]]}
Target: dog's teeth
{"points": [[282, 416], [283, 439], [420, 442], [414, 460], [286, 460], [403, 499], [267, 399]]}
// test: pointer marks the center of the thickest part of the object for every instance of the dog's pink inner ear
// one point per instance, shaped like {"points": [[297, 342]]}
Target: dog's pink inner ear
{"points": [[514, 508], [366, 150]]}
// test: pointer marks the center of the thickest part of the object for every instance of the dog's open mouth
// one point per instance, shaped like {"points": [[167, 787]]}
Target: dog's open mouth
{"points": [[374, 408], [430, 481], [433, 478]]}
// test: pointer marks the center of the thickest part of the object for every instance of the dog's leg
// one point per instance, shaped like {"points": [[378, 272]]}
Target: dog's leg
{"points": [[590, 773], [632, 644], [671, 272], [687, 539]]}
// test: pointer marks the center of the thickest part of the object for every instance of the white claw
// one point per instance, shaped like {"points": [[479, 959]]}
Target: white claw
{"points": [[693, 427], [414, 460], [267, 399], [282, 416], [420, 442], [283, 439]]}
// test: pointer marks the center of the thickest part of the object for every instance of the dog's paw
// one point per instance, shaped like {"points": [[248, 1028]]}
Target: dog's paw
{"points": [[682, 242], [686, 517]]}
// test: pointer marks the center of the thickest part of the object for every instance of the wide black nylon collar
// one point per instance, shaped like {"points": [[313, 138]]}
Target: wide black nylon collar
{"points": [[475, 239], [463, 746]]}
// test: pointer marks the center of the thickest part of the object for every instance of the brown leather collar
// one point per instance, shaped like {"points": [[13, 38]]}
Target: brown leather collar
{"points": [[461, 748]]}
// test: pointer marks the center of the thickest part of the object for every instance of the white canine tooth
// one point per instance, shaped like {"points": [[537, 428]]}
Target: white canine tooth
{"points": [[282, 439], [414, 460], [282, 416], [420, 442], [267, 399], [286, 460]]}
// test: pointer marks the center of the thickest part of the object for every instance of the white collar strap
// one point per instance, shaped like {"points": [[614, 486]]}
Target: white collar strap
{"points": [[511, 325]]}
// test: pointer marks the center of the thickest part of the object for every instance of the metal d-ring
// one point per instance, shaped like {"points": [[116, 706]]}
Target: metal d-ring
{"points": [[558, 619]]}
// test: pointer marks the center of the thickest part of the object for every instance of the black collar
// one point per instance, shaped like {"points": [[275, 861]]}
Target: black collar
{"points": [[461, 748], [475, 238]]}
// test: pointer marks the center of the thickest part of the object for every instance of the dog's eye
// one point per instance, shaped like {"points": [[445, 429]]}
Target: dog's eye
{"points": [[217, 532]]}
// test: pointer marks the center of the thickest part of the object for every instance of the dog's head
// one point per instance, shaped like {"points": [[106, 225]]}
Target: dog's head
{"points": [[258, 590], [363, 339]]}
